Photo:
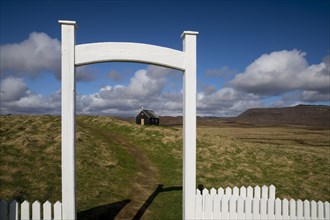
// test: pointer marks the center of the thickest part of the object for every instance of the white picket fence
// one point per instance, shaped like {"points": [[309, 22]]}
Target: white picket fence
{"points": [[255, 203], [16, 211]]}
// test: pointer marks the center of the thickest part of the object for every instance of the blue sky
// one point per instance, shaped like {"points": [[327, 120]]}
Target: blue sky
{"points": [[250, 54]]}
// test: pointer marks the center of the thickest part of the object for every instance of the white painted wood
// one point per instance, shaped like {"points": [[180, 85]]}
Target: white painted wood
{"points": [[232, 207], [13, 210], [278, 209], [307, 209], [293, 210], [25, 210], [272, 192], [189, 124], [208, 207], [257, 192], [285, 208], [205, 192], [47, 211], [221, 192], [235, 191], [250, 192], [68, 119], [271, 208], [263, 208], [3, 210], [313, 210], [300, 209], [36, 210], [58, 211], [132, 52], [264, 192], [248, 208], [216, 207], [213, 192], [320, 210], [256, 208], [240, 208], [224, 207], [326, 210], [242, 192], [228, 191], [199, 205]]}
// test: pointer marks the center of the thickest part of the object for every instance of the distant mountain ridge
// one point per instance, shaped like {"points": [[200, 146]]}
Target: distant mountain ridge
{"points": [[309, 115]]}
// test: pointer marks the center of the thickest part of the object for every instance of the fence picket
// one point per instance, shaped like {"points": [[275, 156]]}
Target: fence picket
{"points": [[228, 192], [240, 208], [216, 207], [25, 210], [3, 210], [13, 210], [313, 210], [264, 192], [256, 208], [199, 204], [224, 208], [307, 209], [235, 191], [248, 208], [36, 211], [263, 208], [242, 192], [270, 208], [58, 210], [47, 208], [213, 192], [326, 210], [204, 193], [300, 211], [293, 213], [208, 206], [278, 208], [221, 192], [257, 192], [232, 207], [272, 192], [250, 192], [320, 210]]}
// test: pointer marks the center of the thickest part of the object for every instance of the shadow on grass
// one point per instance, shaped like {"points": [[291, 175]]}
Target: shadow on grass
{"points": [[103, 212], [160, 189], [110, 211]]}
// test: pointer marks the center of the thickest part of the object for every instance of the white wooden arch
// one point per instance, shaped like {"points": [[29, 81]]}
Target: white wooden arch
{"points": [[74, 55]]}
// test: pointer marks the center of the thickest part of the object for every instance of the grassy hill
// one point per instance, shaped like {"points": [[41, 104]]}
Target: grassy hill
{"points": [[128, 170]]}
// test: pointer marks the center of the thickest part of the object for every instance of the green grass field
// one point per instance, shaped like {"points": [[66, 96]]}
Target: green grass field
{"points": [[118, 162]]}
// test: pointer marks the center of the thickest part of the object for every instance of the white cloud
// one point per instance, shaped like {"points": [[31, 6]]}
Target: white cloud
{"points": [[280, 72], [36, 54], [12, 89]]}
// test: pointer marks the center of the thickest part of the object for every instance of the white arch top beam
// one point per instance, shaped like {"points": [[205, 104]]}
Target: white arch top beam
{"points": [[129, 52]]}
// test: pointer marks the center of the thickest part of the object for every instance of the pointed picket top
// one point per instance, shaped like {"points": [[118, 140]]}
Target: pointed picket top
{"points": [[213, 192], [264, 192], [13, 210], [36, 210], [58, 211], [221, 191], [272, 192], [300, 208], [205, 192], [235, 191], [249, 192], [198, 192], [257, 192], [25, 210], [228, 191], [242, 192], [320, 209], [313, 210], [278, 208], [47, 208], [307, 209]]}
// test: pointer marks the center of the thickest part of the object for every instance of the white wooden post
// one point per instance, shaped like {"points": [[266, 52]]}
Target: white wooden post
{"points": [[189, 124], [68, 119]]}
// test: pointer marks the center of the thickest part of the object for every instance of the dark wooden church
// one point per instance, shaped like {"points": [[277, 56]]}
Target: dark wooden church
{"points": [[147, 117]]}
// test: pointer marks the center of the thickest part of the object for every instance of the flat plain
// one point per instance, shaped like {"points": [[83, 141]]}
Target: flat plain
{"points": [[126, 170]]}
